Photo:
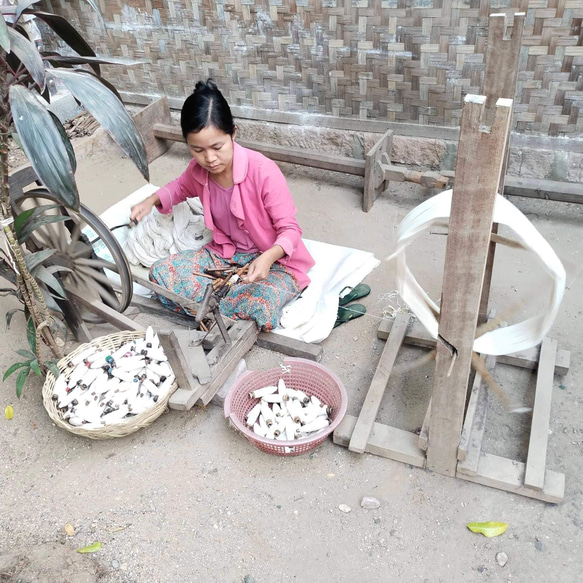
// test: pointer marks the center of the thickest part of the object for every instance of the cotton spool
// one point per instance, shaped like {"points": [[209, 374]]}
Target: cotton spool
{"points": [[507, 340]]}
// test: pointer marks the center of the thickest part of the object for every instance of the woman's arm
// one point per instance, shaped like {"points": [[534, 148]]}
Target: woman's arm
{"points": [[168, 196], [278, 203]]}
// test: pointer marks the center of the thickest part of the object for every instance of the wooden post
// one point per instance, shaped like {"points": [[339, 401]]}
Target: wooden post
{"points": [[479, 164], [502, 55]]}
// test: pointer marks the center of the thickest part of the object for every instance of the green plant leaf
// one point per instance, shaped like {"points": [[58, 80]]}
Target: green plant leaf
{"points": [[34, 224], [31, 335], [29, 56], [64, 29], [21, 379], [4, 38], [7, 291], [35, 368], [44, 275], [26, 354], [7, 272], [109, 85], [35, 259], [52, 366], [10, 315], [66, 141], [21, 219], [109, 112], [22, 6], [43, 145], [13, 368], [90, 548], [488, 529]]}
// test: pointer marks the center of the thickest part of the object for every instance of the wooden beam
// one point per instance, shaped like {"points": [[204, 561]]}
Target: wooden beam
{"points": [[384, 441], [423, 441], [470, 446], [146, 119], [418, 336], [372, 402], [282, 153], [290, 346], [20, 178], [500, 76], [470, 226], [506, 474], [110, 315], [177, 360], [534, 476], [374, 179], [544, 189], [222, 361]]}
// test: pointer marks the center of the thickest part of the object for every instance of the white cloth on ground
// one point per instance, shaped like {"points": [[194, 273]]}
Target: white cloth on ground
{"points": [[311, 317]]}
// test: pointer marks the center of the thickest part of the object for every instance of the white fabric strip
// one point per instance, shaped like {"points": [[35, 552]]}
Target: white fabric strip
{"points": [[514, 338]]}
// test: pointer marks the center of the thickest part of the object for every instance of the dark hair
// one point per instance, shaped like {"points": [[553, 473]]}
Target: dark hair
{"points": [[206, 107]]}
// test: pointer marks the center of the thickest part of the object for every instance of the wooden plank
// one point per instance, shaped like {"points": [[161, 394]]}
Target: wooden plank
{"points": [[377, 388], [21, 178], [500, 76], [190, 343], [178, 362], [243, 334], [529, 359], [508, 475], [152, 306], [222, 361], [465, 261], [145, 120], [534, 476], [418, 336], [470, 446], [423, 441], [544, 189], [374, 182], [108, 314], [283, 153], [384, 441], [290, 346]]}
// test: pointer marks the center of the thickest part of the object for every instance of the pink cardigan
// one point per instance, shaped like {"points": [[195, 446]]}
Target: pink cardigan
{"points": [[261, 203]]}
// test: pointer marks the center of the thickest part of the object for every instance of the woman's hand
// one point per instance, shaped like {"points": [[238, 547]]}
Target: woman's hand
{"points": [[259, 268], [143, 209]]}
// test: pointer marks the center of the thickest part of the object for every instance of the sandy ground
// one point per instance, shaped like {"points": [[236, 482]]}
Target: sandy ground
{"points": [[188, 499]]}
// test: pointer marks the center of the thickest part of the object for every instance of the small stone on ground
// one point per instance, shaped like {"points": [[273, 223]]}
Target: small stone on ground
{"points": [[370, 503], [502, 558], [344, 508]]}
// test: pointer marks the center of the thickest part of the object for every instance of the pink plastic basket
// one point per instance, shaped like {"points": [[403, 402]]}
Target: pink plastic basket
{"points": [[308, 376]]}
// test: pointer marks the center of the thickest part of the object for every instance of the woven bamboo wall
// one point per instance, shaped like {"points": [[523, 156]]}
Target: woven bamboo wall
{"points": [[396, 60]]}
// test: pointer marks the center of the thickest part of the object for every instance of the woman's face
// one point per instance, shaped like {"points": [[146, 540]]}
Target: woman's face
{"points": [[212, 149]]}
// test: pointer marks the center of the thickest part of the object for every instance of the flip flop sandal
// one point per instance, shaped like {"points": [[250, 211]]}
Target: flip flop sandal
{"points": [[360, 291], [345, 314]]}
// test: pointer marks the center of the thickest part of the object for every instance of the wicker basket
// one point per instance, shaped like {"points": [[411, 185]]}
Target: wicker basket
{"points": [[308, 376], [110, 342]]}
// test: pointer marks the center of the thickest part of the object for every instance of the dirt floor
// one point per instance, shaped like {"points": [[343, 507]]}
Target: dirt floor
{"points": [[188, 499]]}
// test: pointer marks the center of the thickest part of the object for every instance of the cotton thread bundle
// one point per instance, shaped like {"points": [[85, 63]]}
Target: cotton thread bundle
{"points": [[158, 235], [510, 339]]}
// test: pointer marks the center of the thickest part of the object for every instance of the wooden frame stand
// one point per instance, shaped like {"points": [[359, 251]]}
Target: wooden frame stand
{"points": [[451, 436]]}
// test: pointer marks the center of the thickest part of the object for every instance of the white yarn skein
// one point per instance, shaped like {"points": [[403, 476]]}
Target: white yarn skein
{"points": [[510, 339]]}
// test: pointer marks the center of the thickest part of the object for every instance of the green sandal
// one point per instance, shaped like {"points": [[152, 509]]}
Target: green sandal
{"points": [[349, 313], [360, 291]]}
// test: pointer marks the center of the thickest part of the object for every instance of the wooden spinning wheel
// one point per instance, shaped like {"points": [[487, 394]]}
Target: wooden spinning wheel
{"points": [[84, 246]]}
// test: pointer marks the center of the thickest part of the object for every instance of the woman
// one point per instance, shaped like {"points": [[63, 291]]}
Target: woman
{"points": [[249, 209]]}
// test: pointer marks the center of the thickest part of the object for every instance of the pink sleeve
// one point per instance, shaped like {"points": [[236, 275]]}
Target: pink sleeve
{"points": [[278, 202], [178, 190]]}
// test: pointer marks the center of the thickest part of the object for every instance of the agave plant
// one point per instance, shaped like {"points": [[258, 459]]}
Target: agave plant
{"points": [[24, 98]]}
